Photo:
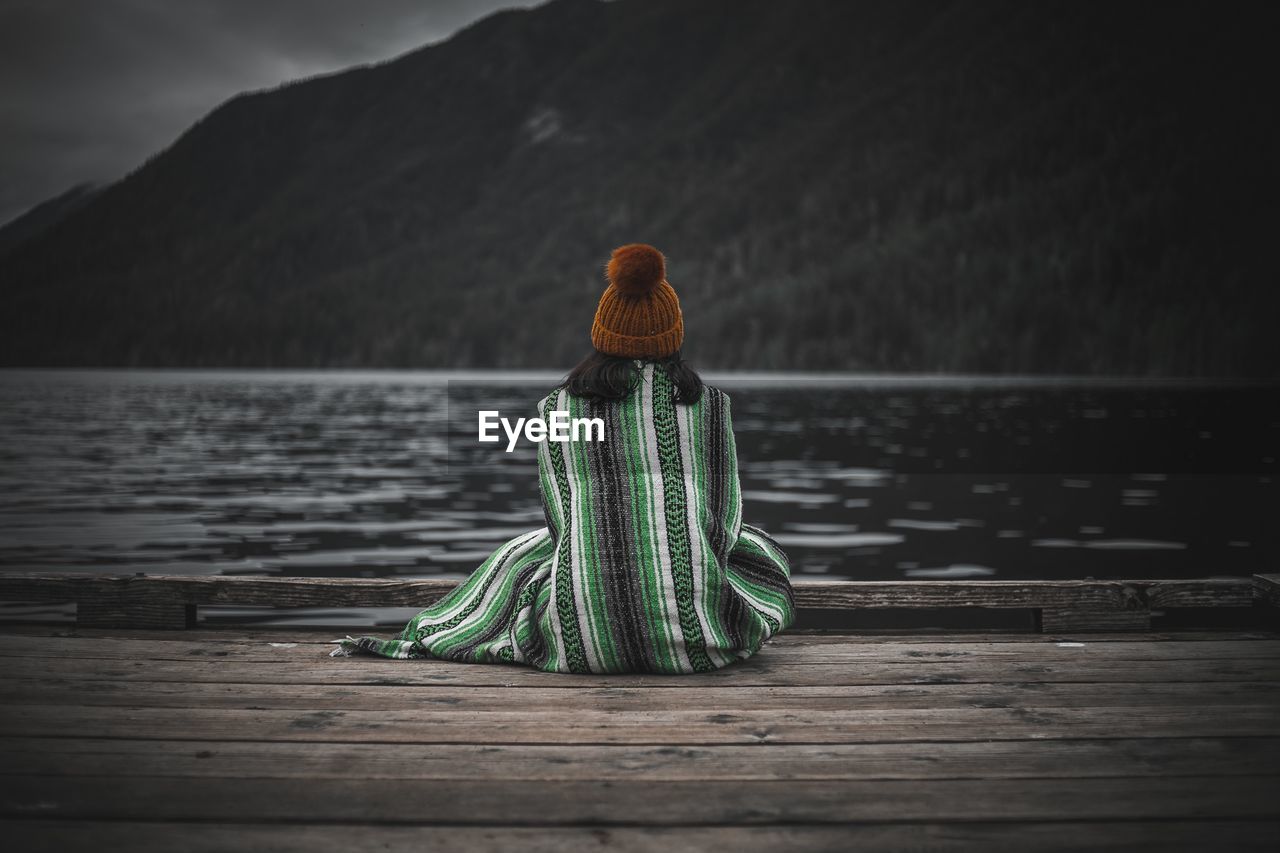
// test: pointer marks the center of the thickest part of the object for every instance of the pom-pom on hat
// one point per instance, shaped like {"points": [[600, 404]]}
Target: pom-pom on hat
{"points": [[639, 313]]}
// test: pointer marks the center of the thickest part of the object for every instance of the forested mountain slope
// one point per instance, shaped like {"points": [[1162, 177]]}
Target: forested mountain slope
{"points": [[868, 185]]}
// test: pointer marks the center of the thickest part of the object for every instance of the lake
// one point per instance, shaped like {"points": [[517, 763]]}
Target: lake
{"points": [[374, 474]]}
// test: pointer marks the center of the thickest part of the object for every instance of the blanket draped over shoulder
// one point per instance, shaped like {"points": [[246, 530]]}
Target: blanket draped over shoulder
{"points": [[644, 564]]}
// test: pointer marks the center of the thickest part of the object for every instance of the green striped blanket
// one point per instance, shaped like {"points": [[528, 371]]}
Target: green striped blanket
{"points": [[644, 564]]}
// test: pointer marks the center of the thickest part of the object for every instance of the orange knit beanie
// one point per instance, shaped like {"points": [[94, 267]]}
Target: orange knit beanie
{"points": [[639, 314]]}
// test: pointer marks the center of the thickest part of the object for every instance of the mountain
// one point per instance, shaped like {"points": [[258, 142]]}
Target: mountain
{"points": [[850, 184], [44, 215]]}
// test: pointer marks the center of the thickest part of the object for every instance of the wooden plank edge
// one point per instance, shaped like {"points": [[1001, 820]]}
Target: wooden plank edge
{"points": [[170, 602], [1266, 589], [304, 837], [259, 590]]}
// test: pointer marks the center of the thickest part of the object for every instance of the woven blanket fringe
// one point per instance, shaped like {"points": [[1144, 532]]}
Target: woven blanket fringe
{"points": [[347, 647]]}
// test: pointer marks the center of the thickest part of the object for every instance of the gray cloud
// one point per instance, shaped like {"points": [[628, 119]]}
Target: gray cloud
{"points": [[91, 88]]}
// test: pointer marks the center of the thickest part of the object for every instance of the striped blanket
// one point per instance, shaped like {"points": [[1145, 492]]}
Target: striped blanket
{"points": [[644, 564]]}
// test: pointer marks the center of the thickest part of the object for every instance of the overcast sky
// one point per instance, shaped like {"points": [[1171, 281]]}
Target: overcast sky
{"points": [[91, 88]]}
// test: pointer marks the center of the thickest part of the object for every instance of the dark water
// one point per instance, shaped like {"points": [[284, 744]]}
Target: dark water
{"points": [[360, 474]]}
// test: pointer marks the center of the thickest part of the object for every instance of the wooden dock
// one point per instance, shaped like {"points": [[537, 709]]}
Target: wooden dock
{"points": [[230, 738]]}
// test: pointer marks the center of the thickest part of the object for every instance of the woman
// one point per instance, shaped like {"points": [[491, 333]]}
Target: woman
{"points": [[644, 564]]}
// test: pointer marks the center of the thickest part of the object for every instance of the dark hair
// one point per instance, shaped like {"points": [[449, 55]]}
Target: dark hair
{"points": [[613, 377]]}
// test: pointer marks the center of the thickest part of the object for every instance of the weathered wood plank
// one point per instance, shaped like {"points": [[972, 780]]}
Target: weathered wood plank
{"points": [[631, 802], [781, 648], [1057, 619], [52, 690], [1266, 589], [322, 635], [1067, 759], [758, 671], [1165, 835], [701, 726], [801, 648], [211, 727], [138, 604], [151, 601]]}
